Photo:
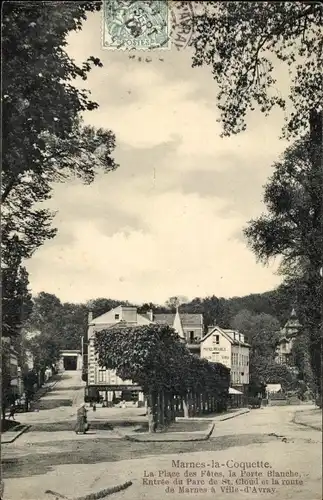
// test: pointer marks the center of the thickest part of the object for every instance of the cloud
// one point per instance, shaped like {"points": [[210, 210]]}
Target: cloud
{"points": [[169, 220]]}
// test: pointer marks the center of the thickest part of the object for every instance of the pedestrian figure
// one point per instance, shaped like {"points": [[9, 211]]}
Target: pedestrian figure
{"points": [[81, 420], [94, 407], [12, 412]]}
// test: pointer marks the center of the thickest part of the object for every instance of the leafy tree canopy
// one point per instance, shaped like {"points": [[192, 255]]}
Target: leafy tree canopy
{"points": [[44, 140], [291, 226], [241, 42], [153, 357]]}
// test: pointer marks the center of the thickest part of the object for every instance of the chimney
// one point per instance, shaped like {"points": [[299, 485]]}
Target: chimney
{"points": [[129, 314], [151, 315], [90, 317], [210, 328]]}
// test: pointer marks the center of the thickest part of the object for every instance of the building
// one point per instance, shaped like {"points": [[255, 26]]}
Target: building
{"points": [[229, 348], [13, 368], [288, 334], [190, 327], [71, 359], [103, 383]]}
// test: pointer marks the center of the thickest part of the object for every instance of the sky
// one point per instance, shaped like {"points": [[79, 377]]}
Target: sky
{"points": [[169, 220]]}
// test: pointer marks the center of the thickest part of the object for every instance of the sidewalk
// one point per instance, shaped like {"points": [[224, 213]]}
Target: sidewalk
{"points": [[167, 437], [47, 387], [217, 417], [309, 418], [11, 435]]}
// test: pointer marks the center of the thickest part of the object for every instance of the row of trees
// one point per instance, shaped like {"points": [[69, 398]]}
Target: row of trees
{"points": [[154, 358]]}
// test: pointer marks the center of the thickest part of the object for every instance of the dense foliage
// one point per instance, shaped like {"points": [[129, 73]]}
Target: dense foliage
{"points": [[292, 229], [44, 140], [248, 44], [64, 322], [154, 357]]}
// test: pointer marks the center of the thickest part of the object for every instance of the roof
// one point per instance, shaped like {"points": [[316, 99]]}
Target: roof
{"points": [[178, 327], [225, 334], [234, 391], [167, 319], [105, 319], [193, 320], [292, 326]]}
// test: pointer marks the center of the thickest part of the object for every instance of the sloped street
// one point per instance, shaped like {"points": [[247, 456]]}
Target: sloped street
{"points": [[51, 455]]}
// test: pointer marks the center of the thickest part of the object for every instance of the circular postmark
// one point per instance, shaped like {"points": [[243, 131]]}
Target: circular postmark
{"points": [[181, 23]]}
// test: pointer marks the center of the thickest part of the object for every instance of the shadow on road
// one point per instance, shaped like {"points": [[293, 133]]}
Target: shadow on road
{"points": [[49, 404], [92, 450]]}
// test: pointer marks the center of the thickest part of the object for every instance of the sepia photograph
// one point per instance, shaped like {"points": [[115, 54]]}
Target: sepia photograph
{"points": [[161, 250]]}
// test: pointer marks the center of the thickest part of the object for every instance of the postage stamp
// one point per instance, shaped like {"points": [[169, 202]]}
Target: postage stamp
{"points": [[136, 24]]}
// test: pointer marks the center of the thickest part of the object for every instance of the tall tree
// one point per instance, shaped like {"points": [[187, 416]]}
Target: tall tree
{"points": [[43, 137], [7, 396], [174, 302], [45, 350], [242, 42], [262, 332], [44, 140], [291, 229]]}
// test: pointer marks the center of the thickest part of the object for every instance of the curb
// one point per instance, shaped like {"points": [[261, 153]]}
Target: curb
{"points": [[95, 496], [214, 419], [233, 416], [314, 427], [205, 437], [24, 429]]}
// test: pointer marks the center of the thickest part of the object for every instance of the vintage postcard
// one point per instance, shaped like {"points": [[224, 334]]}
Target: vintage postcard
{"points": [[162, 244]]}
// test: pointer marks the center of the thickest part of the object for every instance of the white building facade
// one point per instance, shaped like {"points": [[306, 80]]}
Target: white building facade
{"points": [[101, 381], [229, 348]]}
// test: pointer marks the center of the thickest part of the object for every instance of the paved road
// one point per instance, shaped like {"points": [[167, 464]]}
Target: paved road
{"points": [[74, 466]]}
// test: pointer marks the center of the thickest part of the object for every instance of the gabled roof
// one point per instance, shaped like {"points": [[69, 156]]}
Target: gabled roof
{"points": [[291, 327], [193, 320], [162, 318], [105, 319], [225, 335]]}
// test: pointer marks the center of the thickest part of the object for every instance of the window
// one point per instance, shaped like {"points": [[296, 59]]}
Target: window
{"points": [[234, 358], [191, 337], [102, 374], [116, 316], [216, 339]]}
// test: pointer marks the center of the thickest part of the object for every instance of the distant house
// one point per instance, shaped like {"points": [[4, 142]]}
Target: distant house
{"points": [[288, 334], [229, 348], [190, 327]]}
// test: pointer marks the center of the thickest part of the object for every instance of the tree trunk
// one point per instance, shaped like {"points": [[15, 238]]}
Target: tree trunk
{"points": [[151, 412], [186, 405], [172, 409], [316, 137]]}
